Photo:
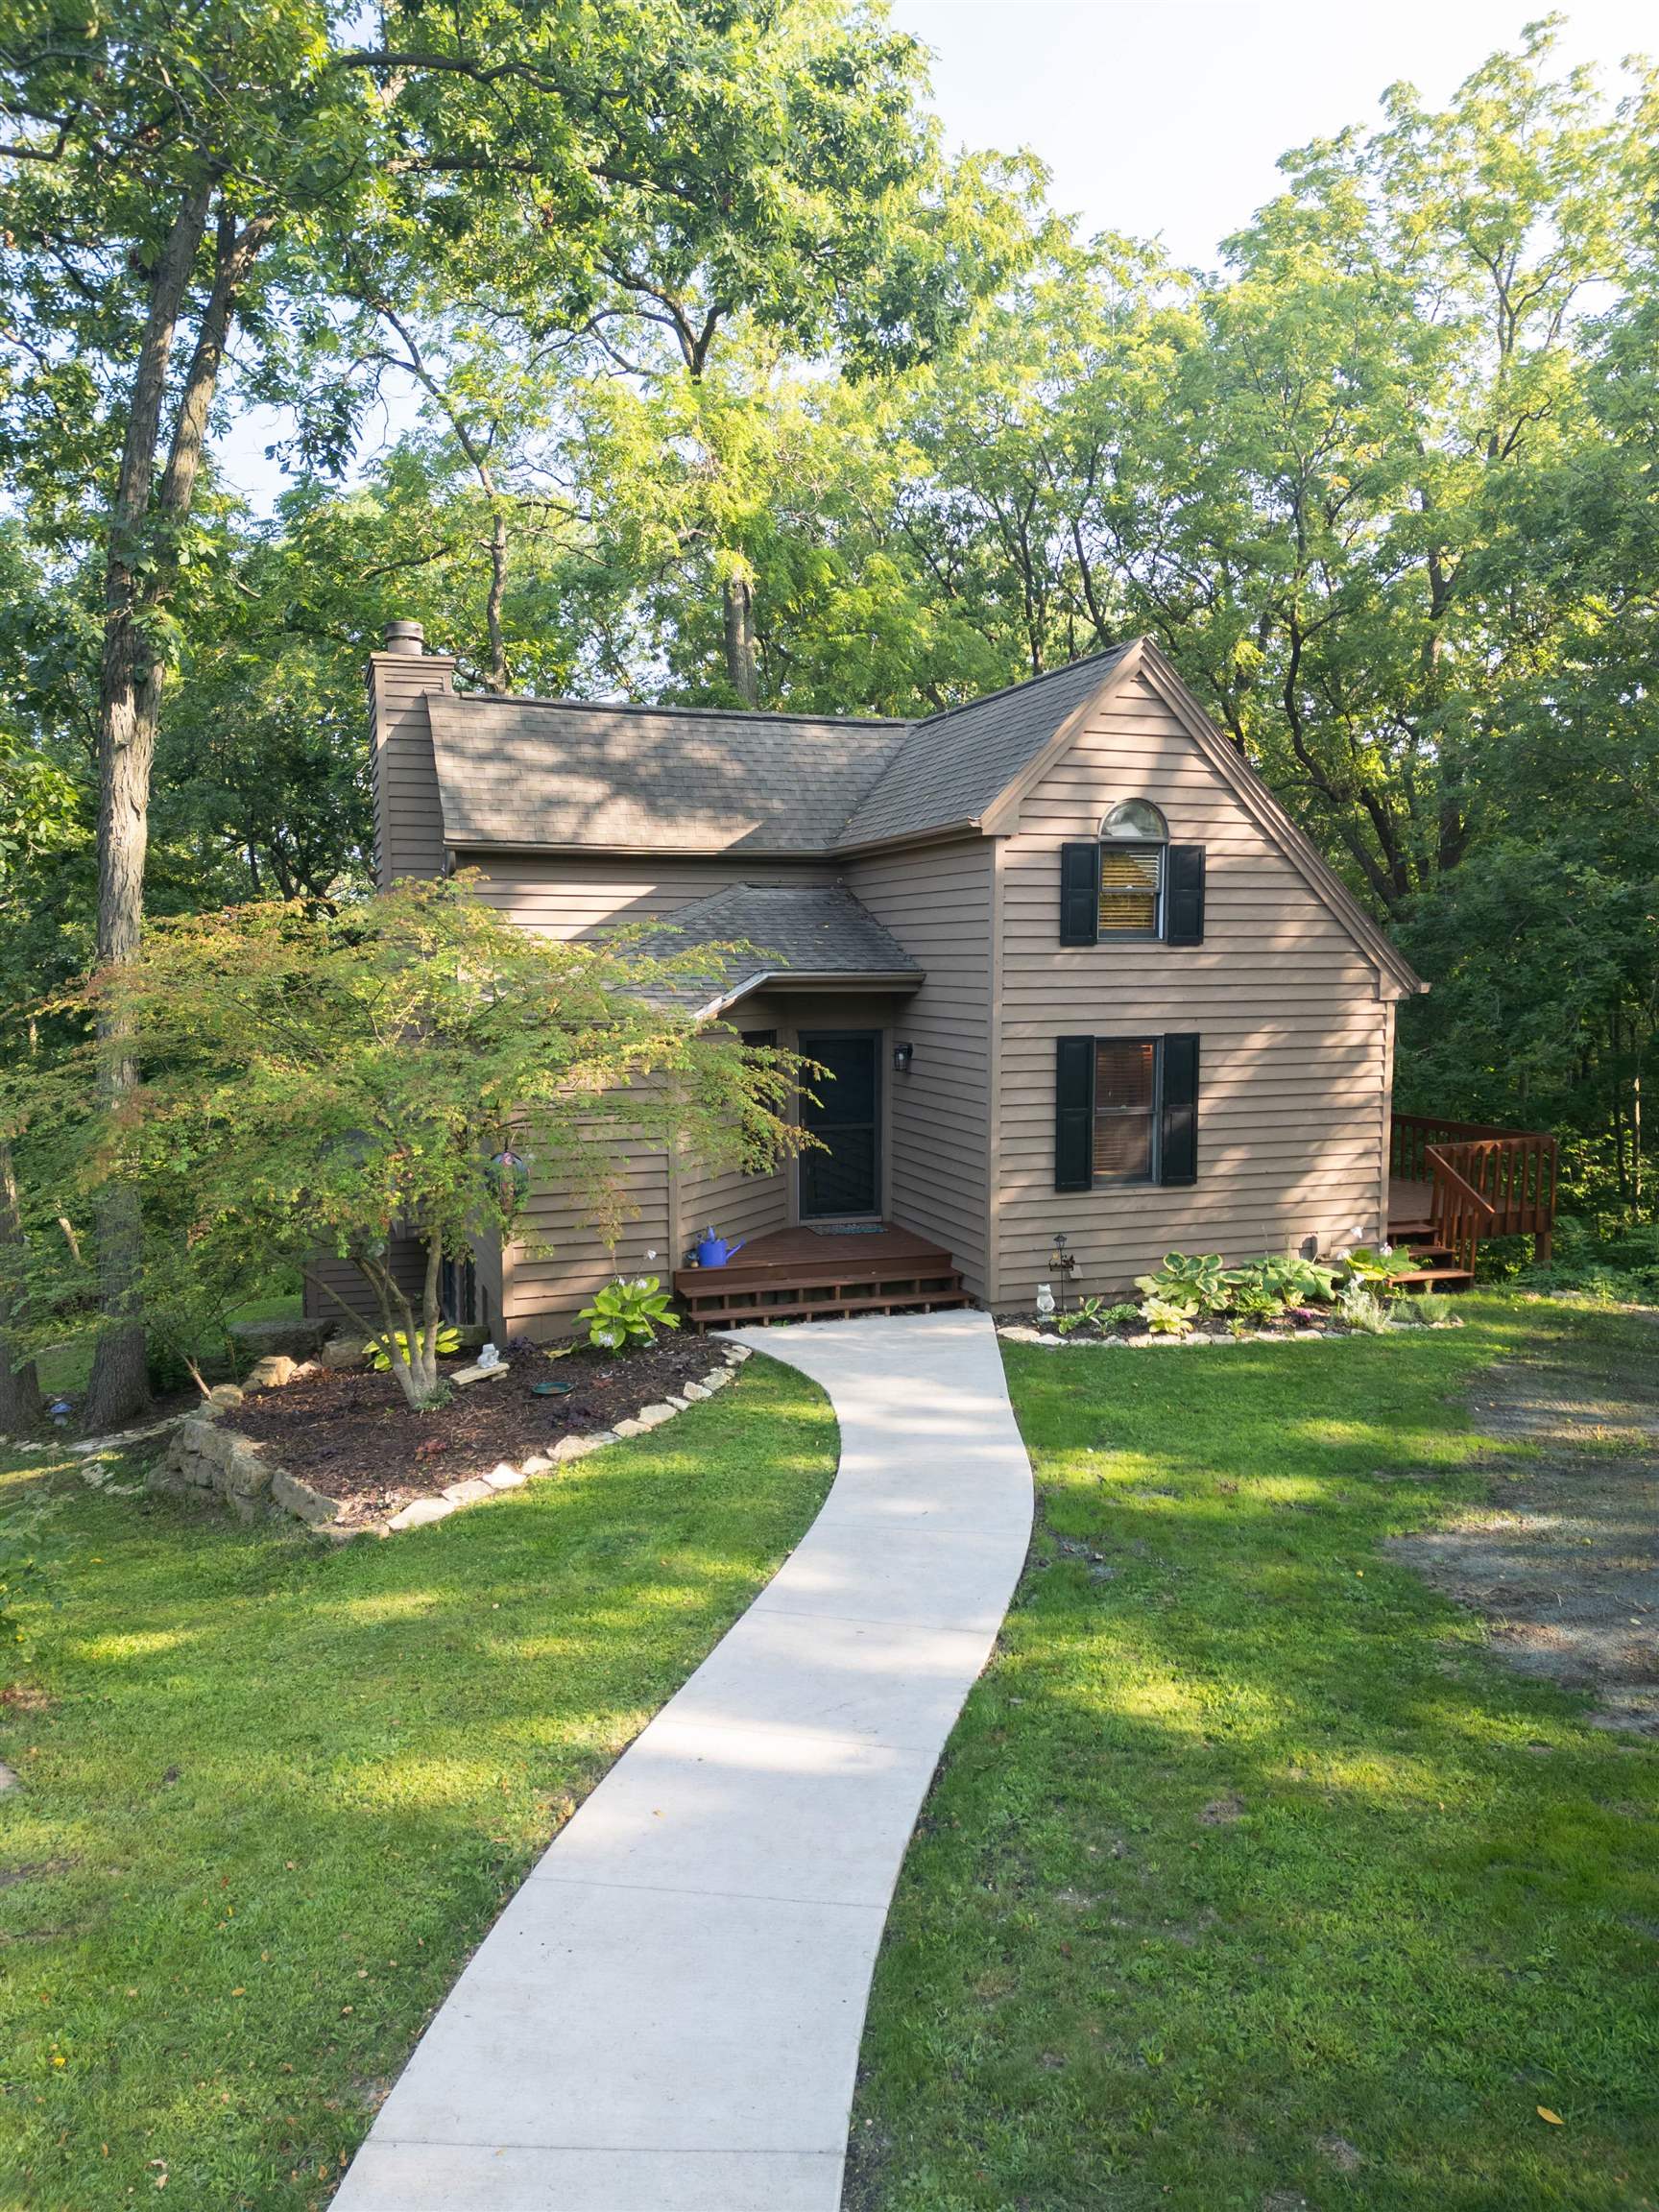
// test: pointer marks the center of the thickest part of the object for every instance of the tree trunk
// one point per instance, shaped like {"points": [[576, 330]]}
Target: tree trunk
{"points": [[19, 1384], [130, 712], [741, 669], [497, 678]]}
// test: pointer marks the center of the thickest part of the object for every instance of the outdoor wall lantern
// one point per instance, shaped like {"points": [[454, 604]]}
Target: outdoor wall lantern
{"points": [[903, 1055]]}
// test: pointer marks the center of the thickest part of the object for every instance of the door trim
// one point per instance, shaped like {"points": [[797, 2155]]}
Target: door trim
{"points": [[804, 1039]]}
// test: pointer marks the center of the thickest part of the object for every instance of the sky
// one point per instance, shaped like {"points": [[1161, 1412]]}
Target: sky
{"points": [[1165, 118]]}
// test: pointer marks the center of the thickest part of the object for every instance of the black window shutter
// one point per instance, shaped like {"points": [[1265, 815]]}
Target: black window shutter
{"points": [[1073, 1113], [1080, 894], [1178, 1148], [1184, 896]]}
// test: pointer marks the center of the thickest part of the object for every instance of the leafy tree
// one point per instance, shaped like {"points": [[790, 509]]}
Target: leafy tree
{"points": [[314, 1080]]}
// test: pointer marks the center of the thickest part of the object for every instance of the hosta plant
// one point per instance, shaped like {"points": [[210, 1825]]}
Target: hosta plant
{"points": [[628, 1312], [448, 1344], [1168, 1317], [1376, 1266], [1293, 1281], [1198, 1281]]}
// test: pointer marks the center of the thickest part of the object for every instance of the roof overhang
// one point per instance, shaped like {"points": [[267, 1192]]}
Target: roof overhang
{"points": [[898, 984]]}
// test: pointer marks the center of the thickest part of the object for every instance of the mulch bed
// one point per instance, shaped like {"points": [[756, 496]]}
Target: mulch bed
{"points": [[350, 1435]]}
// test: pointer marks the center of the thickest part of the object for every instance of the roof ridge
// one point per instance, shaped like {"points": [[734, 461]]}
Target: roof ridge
{"points": [[654, 707], [896, 762], [1025, 683]]}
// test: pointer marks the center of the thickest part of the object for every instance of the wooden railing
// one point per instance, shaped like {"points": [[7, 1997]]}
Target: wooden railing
{"points": [[1484, 1181]]}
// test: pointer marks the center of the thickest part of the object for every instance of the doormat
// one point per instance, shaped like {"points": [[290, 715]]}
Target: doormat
{"points": [[848, 1228]]}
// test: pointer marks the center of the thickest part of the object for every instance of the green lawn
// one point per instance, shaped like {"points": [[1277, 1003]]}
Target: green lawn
{"points": [[1251, 1880], [279, 1792]]}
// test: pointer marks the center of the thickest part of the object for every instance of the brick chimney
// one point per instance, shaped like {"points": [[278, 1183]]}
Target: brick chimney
{"points": [[408, 820]]}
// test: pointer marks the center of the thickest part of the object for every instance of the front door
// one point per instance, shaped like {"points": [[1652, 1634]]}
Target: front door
{"points": [[845, 1177]]}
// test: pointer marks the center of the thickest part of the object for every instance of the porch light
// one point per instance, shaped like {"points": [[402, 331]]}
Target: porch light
{"points": [[903, 1055]]}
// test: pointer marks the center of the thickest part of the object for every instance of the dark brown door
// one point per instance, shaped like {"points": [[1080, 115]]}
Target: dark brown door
{"points": [[845, 1177]]}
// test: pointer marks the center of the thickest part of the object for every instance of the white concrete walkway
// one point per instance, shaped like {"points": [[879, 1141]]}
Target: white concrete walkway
{"points": [[666, 2018]]}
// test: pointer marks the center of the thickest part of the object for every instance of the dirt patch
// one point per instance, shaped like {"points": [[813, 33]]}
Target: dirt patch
{"points": [[1565, 1564], [350, 1435]]}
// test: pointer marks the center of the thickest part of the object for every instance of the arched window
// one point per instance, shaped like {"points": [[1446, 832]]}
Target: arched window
{"points": [[1134, 837], [1136, 819]]}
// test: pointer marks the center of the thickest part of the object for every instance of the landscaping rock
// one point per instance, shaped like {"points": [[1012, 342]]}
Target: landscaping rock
{"points": [[677, 1402], [628, 1429], [463, 1375], [694, 1390], [247, 1472], [505, 1477], [654, 1416], [537, 1462], [271, 1372], [737, 1353], [421, 1511], [299, 1340], [716, 1381], [227, 1396], [344, 1352], [300, 1500], [468, 1493]]}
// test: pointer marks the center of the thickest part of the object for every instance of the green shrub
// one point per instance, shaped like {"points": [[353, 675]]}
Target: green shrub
{"points": [[627, 1312]]}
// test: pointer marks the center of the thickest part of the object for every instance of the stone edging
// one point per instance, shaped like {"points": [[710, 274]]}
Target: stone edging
{"points": [[206, 1459]]}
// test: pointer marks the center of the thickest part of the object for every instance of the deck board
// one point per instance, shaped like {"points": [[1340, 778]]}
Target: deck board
{"points": [[811, 1273]]}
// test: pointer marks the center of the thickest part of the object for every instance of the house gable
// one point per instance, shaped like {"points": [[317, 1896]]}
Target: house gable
{"points": [[1143, 668], [1288, 1001]]}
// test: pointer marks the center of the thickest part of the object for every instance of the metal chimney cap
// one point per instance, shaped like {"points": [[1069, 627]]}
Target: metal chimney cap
{"points": [[404, 638]]}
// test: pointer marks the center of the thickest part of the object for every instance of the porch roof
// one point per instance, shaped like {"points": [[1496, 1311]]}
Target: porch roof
{"points": [[805, 935]]}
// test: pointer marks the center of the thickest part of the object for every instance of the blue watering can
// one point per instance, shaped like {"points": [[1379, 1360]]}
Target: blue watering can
{"points": [[713, 1251]]}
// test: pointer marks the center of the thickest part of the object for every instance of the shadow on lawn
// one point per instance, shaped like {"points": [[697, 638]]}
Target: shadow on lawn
{"points": [[281, 1792]]}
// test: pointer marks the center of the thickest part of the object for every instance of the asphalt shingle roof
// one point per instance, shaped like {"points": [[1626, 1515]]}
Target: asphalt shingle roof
{"points": [[807, 930], [530, 772], [952, 767], [555, 773]]}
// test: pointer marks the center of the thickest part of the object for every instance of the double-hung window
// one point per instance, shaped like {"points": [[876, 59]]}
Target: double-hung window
{"points": [[1126, 1111], [1124, 1147]]}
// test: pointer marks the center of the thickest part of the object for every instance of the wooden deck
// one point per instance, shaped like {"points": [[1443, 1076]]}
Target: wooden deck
{"points": [[819, 1275], [1451, 1185]]}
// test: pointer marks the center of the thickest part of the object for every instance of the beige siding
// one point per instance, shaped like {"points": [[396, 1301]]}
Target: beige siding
{"points": [[562, 1260], [571, 894], [328, 1275], [1294, 1059], [937, 901], [408, 821]]}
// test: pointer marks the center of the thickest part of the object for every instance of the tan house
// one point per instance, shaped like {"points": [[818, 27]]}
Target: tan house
{"points": [[1071, 965]]}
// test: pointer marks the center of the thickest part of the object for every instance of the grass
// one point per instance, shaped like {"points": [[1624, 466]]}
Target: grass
{"points": [[63, 1368], [279, 1792], [1251, 1880]]}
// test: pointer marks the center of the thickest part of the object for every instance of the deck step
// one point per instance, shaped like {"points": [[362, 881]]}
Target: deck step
{"points": [[1447, 1278], [811, 1306]]}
